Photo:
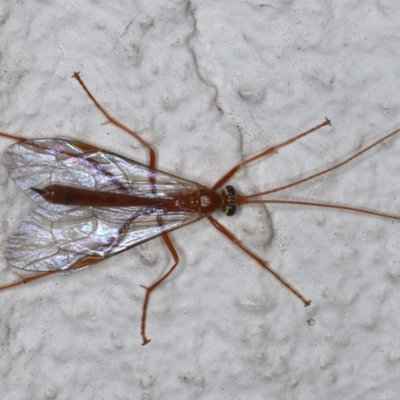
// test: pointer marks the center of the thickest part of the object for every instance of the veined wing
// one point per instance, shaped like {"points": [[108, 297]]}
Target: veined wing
{"points": [[41, 162], [49, 241], [57, 237]]}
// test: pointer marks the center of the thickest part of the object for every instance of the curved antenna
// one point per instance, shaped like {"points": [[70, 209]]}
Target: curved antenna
{"points": [[243, 200], [325, 171]]}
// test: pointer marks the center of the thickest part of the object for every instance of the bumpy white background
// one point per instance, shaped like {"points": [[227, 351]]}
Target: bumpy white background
{"points": [[209, 83]]}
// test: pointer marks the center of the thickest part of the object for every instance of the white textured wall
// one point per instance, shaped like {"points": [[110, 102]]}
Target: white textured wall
{"points": [[209, 83]]}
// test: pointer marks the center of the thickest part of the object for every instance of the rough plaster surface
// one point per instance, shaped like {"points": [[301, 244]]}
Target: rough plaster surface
{"points": [[209, 83]]}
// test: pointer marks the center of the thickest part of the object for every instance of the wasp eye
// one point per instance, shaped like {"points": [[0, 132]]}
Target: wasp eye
{"points": [[230, 210], [229, 190]]}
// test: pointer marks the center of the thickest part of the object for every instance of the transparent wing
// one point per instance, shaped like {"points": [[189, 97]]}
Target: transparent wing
{"points": [[57, 237], [41, 162]]}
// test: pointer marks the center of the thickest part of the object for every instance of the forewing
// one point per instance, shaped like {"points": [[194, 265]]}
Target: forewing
{"points": [[58, 237], [42, 162]]}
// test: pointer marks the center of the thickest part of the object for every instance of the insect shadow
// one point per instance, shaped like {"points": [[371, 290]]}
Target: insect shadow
{"points": [[93, 204]]}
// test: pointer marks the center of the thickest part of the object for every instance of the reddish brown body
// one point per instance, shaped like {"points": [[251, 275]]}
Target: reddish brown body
{"points": [[203, 201], [198, 202]]}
